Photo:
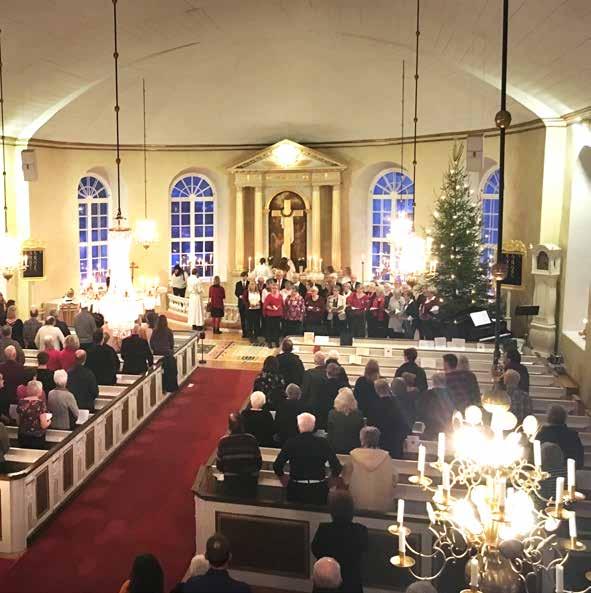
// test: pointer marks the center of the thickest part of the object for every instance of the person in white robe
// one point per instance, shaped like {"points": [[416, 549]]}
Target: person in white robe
{"points": [[195, 292]]}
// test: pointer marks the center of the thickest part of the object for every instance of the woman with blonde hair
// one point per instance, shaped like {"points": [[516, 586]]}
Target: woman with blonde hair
{"points": [[15, 324], [344, 422]]}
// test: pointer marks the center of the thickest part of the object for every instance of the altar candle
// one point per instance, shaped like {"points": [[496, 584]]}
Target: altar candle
{"points": [[309, 262], [401, 542], [572, 526], [320, 265], [537, 454], [474, 572], [559, 578], [421, 462], [559, 492], [249, 260], [400, 513], [446, 478], [570, 472], [441, 448], [502, 492]]}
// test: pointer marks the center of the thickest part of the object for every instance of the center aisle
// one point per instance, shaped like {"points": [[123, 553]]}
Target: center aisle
{"points": [[141, 502]]}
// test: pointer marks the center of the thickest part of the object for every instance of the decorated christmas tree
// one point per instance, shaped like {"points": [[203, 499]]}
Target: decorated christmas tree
{"points": [[460, 278]]}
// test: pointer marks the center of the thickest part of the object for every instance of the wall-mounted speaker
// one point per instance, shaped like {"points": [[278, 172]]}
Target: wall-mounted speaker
{"points": [[474, 154], [29, 164]]}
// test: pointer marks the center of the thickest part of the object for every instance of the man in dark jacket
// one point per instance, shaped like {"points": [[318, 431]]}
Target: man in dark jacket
{"points": [[239, 289], [314, 381], [217, 578], [556, 431], [307, 455], [13, 374], [343, 540], [136, 354], [102, 360], [288, 410], [410, 366], [82, 383], [290, 364], [513, 362], [62, 325], [30, 328]]}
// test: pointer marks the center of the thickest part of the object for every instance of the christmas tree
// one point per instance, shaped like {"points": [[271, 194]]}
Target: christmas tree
{"points": [[460, 278]]}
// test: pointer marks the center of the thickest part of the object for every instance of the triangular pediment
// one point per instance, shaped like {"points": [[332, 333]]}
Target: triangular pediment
{"points": [[287, 155]]}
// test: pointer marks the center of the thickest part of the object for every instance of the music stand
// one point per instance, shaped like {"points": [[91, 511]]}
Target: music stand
{"points": [[527, 311]]}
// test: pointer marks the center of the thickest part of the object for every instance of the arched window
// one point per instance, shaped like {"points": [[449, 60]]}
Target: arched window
{"points": [[192, 224], [93, 228], [392, 190], [489, 197]]}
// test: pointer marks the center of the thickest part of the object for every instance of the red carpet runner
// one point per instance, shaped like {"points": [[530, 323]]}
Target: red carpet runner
{"points": [[141, 502]]}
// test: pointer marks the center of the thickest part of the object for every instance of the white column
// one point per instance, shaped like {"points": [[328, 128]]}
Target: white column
{"points": [[336, 228], [316, 224], [239, 261], [258, 223]]}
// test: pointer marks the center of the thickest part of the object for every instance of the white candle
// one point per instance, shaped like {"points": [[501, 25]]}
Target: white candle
{"points": [[537, 454], [572, 526], [400, 513], [559, 578], [441, 448], [320, 265], [559, 491], [570, 472], [474, 572], [421, 463], [431, 513], [249, 260], [401, 542], [446, 478]]}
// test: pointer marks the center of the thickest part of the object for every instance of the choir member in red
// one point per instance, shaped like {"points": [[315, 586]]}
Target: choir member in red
{"points": [[377, 314], [273, 313], [357, 305], [315, 312], [217, 294], [428, 312]]}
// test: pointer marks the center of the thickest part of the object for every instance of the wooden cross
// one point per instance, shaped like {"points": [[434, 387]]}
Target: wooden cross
{"points": [[133, 267]]}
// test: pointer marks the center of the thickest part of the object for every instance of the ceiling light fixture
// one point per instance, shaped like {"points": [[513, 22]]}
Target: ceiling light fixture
{"points": [[287, 154]]}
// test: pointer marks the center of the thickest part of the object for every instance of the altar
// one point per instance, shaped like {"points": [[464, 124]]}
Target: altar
{"points": [[288, 204]]}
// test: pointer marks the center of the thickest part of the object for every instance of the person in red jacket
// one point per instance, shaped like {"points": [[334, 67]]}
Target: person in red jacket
{"points": [[357, 305], [377, 314], [315, 312], [217, 294], [273, 313]]}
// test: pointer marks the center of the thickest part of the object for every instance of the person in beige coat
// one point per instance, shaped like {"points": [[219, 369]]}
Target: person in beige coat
{"points": [[370, 473]]}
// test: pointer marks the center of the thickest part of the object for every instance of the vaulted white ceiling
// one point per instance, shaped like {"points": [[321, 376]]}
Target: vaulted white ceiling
{"points": [[254, 71]]}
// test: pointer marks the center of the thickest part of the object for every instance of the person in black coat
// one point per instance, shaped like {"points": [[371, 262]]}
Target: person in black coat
{"points": [[410, 366], [217, 578], [364, 391], [239, 289], [286, 418], [258, 422], [513, 361], [136, 354], [343, 540], [290, 364], [102, 360], [59, 323], [314, 381], [556, 431], [82, 383], [387, 416], [323, 401]]}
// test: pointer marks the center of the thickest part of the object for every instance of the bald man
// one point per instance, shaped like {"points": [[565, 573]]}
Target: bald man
{"points": [[6, 340], [326, 575], [14, 374]]}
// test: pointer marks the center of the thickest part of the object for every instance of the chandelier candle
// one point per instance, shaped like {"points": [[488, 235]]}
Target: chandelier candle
{"points": [[538, 455], [559, 494], [559, 578], [400, 513], [570, 466], [473, 573], [441, 448]]}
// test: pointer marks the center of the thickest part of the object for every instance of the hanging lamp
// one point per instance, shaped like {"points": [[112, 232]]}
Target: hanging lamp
{"points": [[145, 228], [120, 305], [12, 260]]}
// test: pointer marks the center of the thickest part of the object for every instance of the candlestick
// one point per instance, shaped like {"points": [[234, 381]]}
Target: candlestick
{"points": [[441, 448], [559, 494], [320, 267], [572, 526], [421, 460], [559, 578], [538, 455], [402, 543], [249, 260], [474, 572]]}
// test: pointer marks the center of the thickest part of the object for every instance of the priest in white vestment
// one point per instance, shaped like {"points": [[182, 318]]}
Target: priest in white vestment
{"points": [[195, 291]]}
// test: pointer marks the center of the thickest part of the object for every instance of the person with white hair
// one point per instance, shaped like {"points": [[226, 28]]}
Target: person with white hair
{"points": [[326, 575], [370, 473], [68, 354], [6, 340], [33, 420], [307, 455], [258, 421], [62, 403], [344, 422], [49, 329], [521, 404], [288, 410], [54, 361], [314, 381]]}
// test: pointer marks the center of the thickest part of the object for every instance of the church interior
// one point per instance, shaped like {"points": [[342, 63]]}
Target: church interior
{"points": [[247, 245]]}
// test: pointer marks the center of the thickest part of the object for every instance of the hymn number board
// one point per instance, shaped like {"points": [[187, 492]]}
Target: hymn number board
{"points": [[513, 255], [35, 260]]}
